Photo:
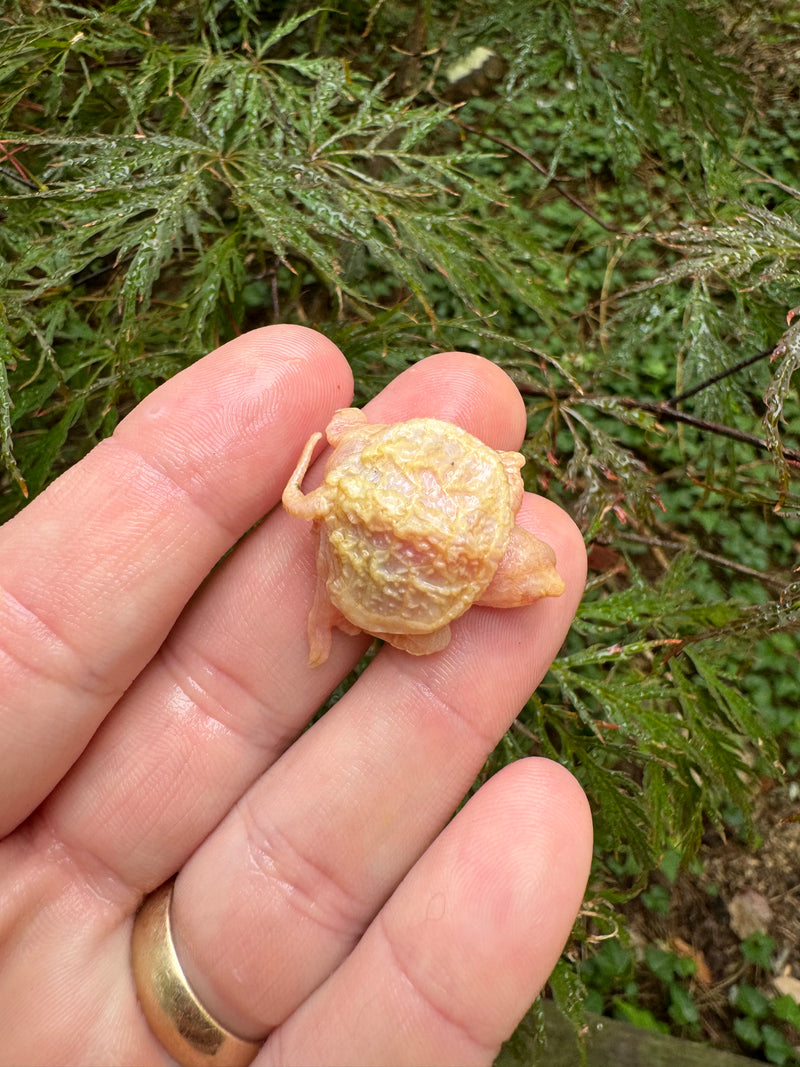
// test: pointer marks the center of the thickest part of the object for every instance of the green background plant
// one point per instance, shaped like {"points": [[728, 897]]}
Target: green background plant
{"points": [[615, 220]]}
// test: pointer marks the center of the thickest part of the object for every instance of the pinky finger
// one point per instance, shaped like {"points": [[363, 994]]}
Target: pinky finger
{"points": [[455, 958]]}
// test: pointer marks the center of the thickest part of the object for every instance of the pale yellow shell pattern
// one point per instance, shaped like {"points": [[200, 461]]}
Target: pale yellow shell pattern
{"points": [[415, 524]]}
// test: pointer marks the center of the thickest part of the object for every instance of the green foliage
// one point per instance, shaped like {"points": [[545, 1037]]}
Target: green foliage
{"points": [[655, 991], [173, 177], [613, 977], [764, 1023], [758, 949], [761, 1025], [614, 221]]}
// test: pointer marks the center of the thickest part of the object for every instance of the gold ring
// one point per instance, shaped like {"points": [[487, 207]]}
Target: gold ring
{"points": [[173, 1012]]}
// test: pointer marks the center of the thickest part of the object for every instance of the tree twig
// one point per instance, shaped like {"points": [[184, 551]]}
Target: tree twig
{"points": [[767, 177], [721, 561], [662, 409], [17, 178], [567, 195], [719, 377]]}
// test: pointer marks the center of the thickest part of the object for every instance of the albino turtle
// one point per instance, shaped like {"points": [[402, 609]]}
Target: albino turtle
{"points": [[415, 523]]}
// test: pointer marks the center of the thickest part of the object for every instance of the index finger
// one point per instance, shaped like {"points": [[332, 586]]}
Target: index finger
{"points": [[94, 572]]}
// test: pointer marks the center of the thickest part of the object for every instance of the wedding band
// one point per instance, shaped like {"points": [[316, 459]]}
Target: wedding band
{"points": [[173, 1012]]}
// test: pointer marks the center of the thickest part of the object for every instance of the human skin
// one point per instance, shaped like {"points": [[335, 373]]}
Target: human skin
{"points": [[153, 709]]}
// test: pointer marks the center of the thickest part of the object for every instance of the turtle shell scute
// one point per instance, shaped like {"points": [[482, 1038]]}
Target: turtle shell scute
{"points": [[419, 520]]}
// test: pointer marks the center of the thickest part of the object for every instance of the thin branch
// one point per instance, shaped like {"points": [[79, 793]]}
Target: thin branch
{"points": [[767, 177], [721, 561], [662, 410], [18, 178], [579, 204], [719, 377]]}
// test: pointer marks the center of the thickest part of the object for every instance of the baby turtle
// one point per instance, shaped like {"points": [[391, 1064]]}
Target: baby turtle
{"points": [[415, 522]]}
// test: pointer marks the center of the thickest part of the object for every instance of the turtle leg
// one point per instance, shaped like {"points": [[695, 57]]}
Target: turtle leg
{"points": [[320, 624], [324, 615], [304, 506], [343, 422], [526, 573], [418, 644]]}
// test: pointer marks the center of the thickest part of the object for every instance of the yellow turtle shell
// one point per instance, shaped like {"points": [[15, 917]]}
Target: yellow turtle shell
{"points": [[414, 520]]}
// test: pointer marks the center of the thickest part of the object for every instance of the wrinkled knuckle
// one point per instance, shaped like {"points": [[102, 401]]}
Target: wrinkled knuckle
{"points": [[31, 649], [308, 888]]}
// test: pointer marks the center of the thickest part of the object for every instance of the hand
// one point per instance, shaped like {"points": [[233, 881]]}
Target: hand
{"points": [[152, 711]]}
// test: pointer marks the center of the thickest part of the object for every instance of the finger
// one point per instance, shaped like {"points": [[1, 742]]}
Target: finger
{"points": [[96, 569], [457, 955], [231, 686], [313, 849]]}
